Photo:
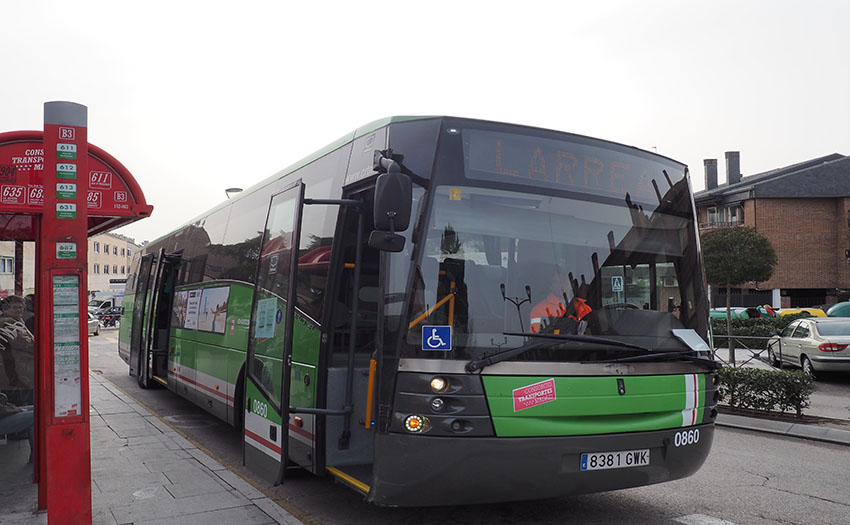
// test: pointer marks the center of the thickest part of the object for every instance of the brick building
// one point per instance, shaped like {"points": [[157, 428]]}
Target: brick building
{"points": [[803, 209]]}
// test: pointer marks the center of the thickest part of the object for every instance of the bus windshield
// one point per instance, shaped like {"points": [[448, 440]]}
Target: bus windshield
{"points": [[500, 263]]}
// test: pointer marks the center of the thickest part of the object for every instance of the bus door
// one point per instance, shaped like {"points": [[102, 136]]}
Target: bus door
{"points": [[266, 410], [351, 364], [154, 358], [137, 330]]}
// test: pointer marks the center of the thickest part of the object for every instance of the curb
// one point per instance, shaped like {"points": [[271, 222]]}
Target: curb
{"points": [[812, 432]]}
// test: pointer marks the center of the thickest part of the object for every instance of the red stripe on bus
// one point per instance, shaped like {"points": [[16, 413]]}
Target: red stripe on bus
{"points": [[696, 401], [302, 432], [264, 442], [202, 386]]}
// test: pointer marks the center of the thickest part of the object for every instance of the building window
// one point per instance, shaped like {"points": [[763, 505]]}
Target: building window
{"points": [[736, 215], [114, 250], [123, 268], [7, 265], [715, 217], [115, 268], [105, 268], [96, 268], [122, 253], [106, 249], [96, 247]]}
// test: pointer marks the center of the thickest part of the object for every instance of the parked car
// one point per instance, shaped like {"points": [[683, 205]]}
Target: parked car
{"points": [[841, 309], [815, 344], [94, 325], [737, 312], [813, 312]]}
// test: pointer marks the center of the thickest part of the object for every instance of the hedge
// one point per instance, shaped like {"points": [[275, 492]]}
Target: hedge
{"points": [[768, 390], [759, 327]]}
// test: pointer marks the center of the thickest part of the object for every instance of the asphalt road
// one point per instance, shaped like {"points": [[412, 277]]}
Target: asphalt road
{"points": [[749, 477]]}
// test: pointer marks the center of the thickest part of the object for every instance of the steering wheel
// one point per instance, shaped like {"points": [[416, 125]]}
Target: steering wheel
{"points": [[619, 306]]}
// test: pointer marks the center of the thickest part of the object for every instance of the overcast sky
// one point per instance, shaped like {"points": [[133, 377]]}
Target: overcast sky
{"points": [[196, 97]]}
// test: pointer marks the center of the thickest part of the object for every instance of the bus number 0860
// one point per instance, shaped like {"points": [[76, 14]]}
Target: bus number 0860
{"points": [[686, 437], [260, 408]]}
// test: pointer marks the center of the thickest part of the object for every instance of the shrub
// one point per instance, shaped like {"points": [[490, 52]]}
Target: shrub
{"points": [[758, 389], [759, 327]]}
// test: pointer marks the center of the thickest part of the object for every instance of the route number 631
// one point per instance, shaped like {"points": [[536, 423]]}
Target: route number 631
{"points": [[686, 437]]}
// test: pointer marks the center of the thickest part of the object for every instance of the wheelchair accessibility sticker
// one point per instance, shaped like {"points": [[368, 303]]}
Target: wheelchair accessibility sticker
{"points": [[437, 338]]}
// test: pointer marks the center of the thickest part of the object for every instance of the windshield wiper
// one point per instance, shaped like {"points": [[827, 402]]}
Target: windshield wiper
{"points": [[681, 354], [584, 339], [478, 364]]}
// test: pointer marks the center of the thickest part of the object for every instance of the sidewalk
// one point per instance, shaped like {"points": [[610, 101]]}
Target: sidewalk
{"points": [[820, 407], [813, 432], [143, 471]]}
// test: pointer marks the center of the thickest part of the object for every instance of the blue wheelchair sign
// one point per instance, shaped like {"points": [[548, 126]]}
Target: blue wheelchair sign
{"points": [[437, 338]]}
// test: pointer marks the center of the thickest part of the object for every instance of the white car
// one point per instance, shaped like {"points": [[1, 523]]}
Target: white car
{"points": [[814, 344], [94, 325]]}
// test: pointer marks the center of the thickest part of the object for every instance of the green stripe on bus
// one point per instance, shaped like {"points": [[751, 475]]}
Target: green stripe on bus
{"points": [[590, 405]]}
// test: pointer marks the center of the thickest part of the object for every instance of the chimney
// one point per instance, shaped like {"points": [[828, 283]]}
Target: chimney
{"points": [[733, 167], [710, 173]]}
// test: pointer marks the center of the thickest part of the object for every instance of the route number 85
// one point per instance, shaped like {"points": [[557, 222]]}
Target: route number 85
{"points": [[686, 437]]}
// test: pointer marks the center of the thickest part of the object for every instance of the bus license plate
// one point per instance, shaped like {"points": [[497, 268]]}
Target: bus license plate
{"points": [[621, 459]]}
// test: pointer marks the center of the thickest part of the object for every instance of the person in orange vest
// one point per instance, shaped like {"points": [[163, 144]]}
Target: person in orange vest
{"points": [[553, 307]]}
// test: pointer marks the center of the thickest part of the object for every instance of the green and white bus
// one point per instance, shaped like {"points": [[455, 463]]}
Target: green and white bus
{"points": [[442, 311]]}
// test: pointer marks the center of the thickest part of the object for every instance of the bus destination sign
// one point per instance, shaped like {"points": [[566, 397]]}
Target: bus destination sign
{"points": [[563, 165]]}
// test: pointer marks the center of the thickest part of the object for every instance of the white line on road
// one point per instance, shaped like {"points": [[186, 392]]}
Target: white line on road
{"points": [[701, 519]]}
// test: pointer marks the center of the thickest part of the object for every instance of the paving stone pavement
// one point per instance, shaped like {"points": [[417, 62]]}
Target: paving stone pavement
{"points": [[143, 471]]}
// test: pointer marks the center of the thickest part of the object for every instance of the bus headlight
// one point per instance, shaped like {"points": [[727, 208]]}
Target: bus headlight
{"points": [[439, 384], [435, 404]]}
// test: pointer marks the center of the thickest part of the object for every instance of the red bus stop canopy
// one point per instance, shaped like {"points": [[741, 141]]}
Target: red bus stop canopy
{"points": [[114, 198]]}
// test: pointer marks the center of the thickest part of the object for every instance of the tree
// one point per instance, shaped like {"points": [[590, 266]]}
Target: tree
{"points": [[734, 256]]}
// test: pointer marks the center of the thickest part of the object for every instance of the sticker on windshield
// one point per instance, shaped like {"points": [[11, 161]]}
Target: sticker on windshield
{"points": [[437, 338], [533, 395]]}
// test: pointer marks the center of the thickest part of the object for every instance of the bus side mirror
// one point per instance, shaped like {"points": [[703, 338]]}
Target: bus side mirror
{"points": [[391, 212], [386, 241], [393, 201]]}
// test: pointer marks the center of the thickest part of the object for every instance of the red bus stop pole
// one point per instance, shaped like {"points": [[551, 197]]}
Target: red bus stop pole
{"points": [[63, 321]]}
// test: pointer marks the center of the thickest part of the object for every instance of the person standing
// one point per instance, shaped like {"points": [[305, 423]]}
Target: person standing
{"points": [[17, 352]]}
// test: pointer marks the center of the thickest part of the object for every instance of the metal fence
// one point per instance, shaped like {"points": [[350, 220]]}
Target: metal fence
{"points": [[735, 343]]}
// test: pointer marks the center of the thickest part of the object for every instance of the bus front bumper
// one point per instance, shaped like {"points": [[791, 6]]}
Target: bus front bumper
{"points": [[415, 470]]}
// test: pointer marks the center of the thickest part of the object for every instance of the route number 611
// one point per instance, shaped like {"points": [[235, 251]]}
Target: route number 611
{"points": [[686, 437]]}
